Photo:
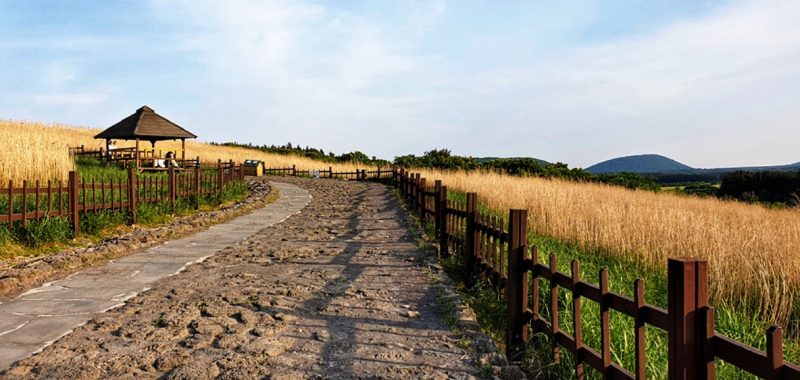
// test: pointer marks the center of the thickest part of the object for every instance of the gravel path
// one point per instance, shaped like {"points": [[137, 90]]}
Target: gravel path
{"points": [[336, 291]]}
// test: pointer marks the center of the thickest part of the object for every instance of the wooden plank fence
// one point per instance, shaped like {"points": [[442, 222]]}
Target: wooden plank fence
{"points": [[498, 251], [358, 174], [76, 196]]}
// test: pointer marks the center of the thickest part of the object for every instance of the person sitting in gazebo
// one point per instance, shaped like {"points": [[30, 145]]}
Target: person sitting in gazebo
{"points": [[166, 162], [111, 147]]}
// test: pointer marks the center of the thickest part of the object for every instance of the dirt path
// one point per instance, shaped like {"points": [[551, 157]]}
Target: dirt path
{"points": [[333, 292]]}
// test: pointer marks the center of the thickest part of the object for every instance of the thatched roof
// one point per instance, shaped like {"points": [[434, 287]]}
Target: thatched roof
{"points": [[146, 125]]}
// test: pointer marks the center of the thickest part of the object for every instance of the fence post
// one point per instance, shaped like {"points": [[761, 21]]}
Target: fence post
{"points": [[220, 179], [517, 292], [687, 293], [363, 174], [471, 239], [442, 200], [409, 189], [132, 195], [330, 172], [294, 170], [197, 187], [423, 215], [73, 203], [172, 189], [415, 188], [437, 219], [241, 172]]}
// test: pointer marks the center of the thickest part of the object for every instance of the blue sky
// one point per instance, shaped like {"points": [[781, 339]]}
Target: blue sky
{"points": [[709, 83]]}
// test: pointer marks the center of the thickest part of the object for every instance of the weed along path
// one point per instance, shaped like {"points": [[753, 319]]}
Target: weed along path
{"points": [[42, 315], [337, 291]]}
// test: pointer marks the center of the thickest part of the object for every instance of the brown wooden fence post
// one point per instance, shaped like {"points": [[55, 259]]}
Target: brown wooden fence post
{"points": [[294, 170], [415, 189], [132, 195], [24, 203], [442, 200], [437, 219], [172, 189], [220, 179], [330, 172], [471, 239], [401, 181], [517, 291], [73, 203], [405, 185], [423, 215], [197, 187], [363, 174], [687, 293]]}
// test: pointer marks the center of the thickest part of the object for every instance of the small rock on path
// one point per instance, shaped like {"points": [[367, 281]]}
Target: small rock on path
{"points": [[333, 292]]}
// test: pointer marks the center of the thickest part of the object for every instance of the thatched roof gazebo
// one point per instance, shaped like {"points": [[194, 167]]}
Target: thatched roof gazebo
{"points": [[146, 125]]}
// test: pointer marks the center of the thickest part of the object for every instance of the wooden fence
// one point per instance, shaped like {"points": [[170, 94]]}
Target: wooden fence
{"points": [[81, 151], [78, 196], [500, 253], [358, 174]]}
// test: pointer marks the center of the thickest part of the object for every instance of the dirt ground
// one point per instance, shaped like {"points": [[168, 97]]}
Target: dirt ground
{"points": [[338, 291]]}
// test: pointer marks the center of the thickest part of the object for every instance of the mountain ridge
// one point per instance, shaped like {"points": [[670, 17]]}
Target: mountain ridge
{"points": [[658, 164]]}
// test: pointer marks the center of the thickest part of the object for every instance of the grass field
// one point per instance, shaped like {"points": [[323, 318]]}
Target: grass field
{"points": [[752, 250], [35, 151]]}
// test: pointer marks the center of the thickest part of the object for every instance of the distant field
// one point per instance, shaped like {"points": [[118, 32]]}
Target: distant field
{"points": [[35, 151], [752, 250]]}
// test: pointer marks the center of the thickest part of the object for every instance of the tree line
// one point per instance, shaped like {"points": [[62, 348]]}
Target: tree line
{"points": [[767, 187]]}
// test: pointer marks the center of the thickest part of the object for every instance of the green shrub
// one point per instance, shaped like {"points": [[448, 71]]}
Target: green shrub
{"points": [[233, 191], [43, 231], [5, 234], [94, 222], [152, 213]]}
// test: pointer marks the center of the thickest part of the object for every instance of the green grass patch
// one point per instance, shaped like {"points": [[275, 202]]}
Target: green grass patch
{"points": [[37, 233], [93, 223]]}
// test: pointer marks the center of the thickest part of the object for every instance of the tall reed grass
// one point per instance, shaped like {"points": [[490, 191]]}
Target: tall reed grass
{"points": [[35, 151], [752, 251]]}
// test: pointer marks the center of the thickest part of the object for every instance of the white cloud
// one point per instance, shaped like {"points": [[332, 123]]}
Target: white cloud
{"points": [[56, 75]]}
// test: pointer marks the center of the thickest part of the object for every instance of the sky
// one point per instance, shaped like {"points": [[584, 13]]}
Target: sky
{"points": [[708, 83]]}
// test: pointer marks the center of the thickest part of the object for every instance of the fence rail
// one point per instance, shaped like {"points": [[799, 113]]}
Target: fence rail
{"points": [[78, 196], [498, 251], [358, 174]]}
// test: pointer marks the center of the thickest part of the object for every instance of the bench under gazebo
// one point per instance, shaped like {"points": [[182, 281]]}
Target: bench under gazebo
{"points": [[143, 125]]}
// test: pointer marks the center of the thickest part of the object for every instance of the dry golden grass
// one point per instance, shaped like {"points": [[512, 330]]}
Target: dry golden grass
{"points": [[752, 251], [35, 151]]}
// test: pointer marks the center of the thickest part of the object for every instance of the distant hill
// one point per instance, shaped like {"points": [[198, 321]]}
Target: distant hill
{"points": [[644, 163], [487, 159]]}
